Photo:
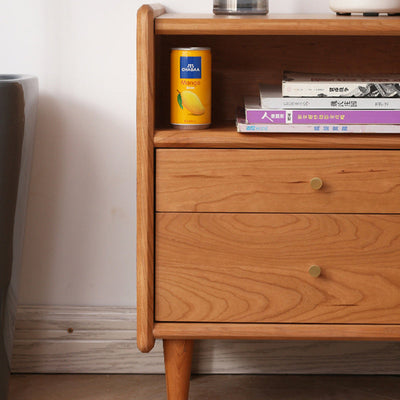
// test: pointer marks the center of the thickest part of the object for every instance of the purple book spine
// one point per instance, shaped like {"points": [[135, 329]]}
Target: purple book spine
{"points": [[323, 116]]}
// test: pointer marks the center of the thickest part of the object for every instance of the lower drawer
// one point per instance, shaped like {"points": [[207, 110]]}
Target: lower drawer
{"points": [[255, 268]]}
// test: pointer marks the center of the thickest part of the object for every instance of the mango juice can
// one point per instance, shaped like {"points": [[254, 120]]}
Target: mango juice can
{"points": [[191, 87]]}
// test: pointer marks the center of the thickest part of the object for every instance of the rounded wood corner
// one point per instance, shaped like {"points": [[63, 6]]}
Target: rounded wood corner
{"points": [[144, 10], [145, 345], [150, 10]]}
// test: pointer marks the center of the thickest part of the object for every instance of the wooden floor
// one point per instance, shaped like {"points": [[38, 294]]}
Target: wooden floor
{"points": [[205, 387]]}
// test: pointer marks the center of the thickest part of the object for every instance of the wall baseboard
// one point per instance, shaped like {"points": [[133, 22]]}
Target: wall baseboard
{"points": [[103, 340]]}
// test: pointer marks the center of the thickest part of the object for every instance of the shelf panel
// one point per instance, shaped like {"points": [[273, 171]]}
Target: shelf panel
{"points": [[277, 24], [227, 137]]}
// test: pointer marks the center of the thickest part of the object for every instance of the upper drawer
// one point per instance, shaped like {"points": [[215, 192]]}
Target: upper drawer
{"points": [[219, 180]]}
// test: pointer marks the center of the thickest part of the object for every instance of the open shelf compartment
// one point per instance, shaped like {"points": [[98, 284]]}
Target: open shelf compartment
{"points": [[241, 63]]}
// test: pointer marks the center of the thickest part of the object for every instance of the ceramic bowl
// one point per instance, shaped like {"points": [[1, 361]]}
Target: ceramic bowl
{"points": [[365, 6]]}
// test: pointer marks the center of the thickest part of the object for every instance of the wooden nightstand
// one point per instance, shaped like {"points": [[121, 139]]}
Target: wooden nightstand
{"points": [[235, 238]]}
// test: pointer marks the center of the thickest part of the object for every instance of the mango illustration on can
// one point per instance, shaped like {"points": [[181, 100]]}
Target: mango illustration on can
{"points": [[191, 88], [191, 102]]}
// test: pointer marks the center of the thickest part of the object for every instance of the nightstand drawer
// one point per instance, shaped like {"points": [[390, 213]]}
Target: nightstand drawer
{"points": [[256, 268], [218, 180]]}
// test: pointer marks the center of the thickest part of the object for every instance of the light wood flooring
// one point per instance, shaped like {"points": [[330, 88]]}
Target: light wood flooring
{"points": [[205, 387]]}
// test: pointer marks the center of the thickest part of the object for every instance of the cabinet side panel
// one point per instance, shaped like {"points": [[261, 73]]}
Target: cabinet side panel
{"points": [[145, 175]]}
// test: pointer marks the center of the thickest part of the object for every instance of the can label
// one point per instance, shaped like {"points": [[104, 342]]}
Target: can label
{"points": [[190, 67], [191, 87]]}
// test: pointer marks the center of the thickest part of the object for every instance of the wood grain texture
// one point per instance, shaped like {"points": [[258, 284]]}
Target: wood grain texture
{"points": [[220, 387], [84, 356], [61, 318], [145, 176], [104, 341], [304, 332], [8, 320], [277, 24], [37, 323], [226, 136], [236, 74], [178, 365], [254, 268], [341, 294], [59, 339], [210, 357], [312, 357], [277, 181]]}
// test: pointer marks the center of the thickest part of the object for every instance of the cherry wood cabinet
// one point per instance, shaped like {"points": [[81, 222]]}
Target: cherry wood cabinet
{"points": [[262, 236]]}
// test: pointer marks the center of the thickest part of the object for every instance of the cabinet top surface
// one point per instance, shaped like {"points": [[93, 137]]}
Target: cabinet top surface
{"points": [[277, 24]]}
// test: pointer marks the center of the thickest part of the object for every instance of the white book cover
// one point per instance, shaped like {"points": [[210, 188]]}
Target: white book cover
{"points": [[252, 103], [296, 84], [271, 98]]}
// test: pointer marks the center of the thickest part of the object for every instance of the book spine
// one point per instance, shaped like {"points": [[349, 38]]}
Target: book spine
{"points": [[326, 103], [312, 117], [339, 89], [242, 127]]}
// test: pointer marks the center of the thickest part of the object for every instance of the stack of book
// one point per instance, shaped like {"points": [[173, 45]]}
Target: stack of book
{"points": [[321, 103]]}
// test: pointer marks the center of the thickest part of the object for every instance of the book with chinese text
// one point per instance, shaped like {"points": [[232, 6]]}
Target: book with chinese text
{"points": [[260, 115], [244, 127], [296, 84], [271, 97]]}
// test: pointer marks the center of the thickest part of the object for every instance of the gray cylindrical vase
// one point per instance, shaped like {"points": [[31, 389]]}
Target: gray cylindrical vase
{"points": [[18, 103], [240, 7]]}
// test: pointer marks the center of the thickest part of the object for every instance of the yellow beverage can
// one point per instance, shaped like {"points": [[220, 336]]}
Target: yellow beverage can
{"points": [[191, 87]]}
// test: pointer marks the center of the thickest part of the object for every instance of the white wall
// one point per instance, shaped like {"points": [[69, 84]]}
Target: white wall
{"points": [[80, 233]]}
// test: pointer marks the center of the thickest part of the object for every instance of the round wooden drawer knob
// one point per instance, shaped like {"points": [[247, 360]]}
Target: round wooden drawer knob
{"points": [[316, 183], [314, 271]]}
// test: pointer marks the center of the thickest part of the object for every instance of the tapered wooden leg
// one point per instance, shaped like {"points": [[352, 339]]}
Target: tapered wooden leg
{"points": [[178, 364]]}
